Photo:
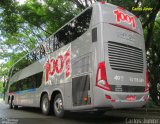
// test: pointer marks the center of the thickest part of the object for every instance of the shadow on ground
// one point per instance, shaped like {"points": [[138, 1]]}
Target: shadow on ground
{"points": [[74, 117]]}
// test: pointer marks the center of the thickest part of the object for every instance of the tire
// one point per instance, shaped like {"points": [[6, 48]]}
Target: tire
{"points": [[99, 113], [45, 105], [58, 106], [11, 103], [15, 106]]}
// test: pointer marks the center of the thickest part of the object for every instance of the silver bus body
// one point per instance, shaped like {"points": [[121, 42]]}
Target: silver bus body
{"points": [[105, 67]]}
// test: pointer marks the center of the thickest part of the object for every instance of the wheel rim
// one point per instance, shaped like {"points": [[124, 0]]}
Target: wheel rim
{"points": [[45, 104], [58, 105]]}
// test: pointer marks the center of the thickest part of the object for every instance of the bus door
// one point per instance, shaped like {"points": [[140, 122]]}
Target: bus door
{"points": [[81, 72]]}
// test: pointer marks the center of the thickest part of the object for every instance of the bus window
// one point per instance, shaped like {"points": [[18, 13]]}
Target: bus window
{"points": [[50, 41], [34, 55], [38, 78], [42, 51], [81, 24], [37, 52], [94, 35], [74, 29]]}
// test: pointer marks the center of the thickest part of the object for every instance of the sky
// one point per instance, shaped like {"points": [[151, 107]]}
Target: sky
{"points": [[21, 1], [1, 60]]}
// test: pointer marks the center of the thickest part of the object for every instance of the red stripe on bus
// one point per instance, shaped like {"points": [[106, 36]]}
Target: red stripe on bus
{"points": [[124, 27]]}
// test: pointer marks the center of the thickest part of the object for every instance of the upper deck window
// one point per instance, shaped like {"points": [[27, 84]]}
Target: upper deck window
{"points": [[71, 31], [67, 34]]}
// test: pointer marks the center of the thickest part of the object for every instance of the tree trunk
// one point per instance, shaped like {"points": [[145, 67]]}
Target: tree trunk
{"points": [[150, 24]]}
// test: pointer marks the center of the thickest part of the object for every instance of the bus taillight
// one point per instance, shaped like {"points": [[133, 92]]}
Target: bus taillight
{"points": [[101, 78], [147, 81], [131, 98]]}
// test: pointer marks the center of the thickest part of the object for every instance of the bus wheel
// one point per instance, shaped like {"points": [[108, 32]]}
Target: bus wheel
{"points": [[11, 103], [58, 106], [15, 106], [45, 105], [99, 113]]}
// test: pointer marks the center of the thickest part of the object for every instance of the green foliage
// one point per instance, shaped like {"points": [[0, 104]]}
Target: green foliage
{"points": [[1, 87], [151, 104]]}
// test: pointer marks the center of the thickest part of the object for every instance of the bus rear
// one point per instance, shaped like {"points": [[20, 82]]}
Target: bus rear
{"points": [[121, 73]]}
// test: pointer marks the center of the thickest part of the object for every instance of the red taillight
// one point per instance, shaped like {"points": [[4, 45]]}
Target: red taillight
{"points": [[131, 98], [123, 27], [108, 97], [147, 81], [101, 78]]}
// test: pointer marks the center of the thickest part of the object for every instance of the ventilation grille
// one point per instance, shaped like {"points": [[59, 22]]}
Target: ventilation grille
{"points": [[124, 57]]}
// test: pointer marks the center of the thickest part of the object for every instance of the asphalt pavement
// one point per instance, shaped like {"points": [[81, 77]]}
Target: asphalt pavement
{"points": [[27, 115]]}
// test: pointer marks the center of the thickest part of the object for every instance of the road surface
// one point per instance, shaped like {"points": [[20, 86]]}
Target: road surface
{"points": [[26, 115]]}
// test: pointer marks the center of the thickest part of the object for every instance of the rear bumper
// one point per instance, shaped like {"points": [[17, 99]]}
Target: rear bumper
{"points": [[118, 99]]}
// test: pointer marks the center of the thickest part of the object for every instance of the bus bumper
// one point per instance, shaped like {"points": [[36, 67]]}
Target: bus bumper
{"points": [[108, 99]]}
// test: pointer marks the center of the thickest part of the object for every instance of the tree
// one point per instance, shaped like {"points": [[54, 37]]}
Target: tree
{"points": [[1, 87], [153, 58]]}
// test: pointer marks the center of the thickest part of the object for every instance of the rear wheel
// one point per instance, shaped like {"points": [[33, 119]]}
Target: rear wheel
{"points": [[58, 106], [45, 105], [15, 106], [11, 103], [98, 113]]}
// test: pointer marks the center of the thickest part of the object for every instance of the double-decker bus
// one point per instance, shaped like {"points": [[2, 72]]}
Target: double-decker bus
{"points": [[94, 62]]}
